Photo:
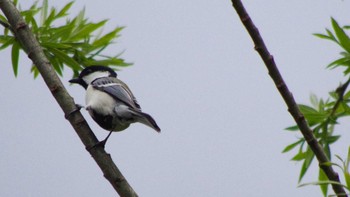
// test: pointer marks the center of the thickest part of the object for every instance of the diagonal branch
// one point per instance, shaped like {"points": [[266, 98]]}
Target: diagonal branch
{"points": [[288, 97], [35, 53]]}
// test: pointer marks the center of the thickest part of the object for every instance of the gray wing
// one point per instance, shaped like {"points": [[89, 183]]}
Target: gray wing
{"points": [[117, 89]]}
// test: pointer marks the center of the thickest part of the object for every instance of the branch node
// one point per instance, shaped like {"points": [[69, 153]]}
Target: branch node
{"points": [[55, 88], [119, 179], [270, 58], [281, 85], [33, 50], [257, 48], [76, 109], [21, 25], [245, 18]]}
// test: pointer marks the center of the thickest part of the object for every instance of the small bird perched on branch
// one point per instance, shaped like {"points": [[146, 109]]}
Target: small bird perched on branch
{"points": [[110, 102]]}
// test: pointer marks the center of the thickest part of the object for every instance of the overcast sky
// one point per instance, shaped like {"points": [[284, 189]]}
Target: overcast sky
{"points": [[196, 72]]}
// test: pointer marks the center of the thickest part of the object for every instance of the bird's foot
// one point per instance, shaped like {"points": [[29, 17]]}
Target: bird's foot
{"points": [[77, 108], [98, 144]]}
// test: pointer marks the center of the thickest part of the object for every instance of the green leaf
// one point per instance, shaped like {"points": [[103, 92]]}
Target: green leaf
{"points": [[308, 160], [347, 179], [9, 41], [322, 36], [345, 61], [344, 40], [332, 139], [299, 156], [55, 45], [34, 25], [306, 109], [106, 39], [3, 19], [312, 116], [50, 18], [292, 128], [35, 71], [108, 62], [291, 146], [15, 57], [346, 169], [61, 33], [65, 58], [314, 100], [57, 66], [63, 11], [321, 178], [44, 10], [327, 151], [86, 30], [330, 34], [323, 182]]}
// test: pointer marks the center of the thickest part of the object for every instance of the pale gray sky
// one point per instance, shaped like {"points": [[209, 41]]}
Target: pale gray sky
{"points": [[196, 72]]}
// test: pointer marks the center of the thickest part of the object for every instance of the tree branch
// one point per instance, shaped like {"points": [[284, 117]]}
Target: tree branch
{"points": [[288, 97], [35, 53]]}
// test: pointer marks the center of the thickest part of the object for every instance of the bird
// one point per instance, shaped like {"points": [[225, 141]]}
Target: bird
{"points": [[109, 101]]}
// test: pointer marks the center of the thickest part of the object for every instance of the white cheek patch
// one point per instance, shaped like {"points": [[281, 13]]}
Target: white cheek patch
{"points": [[99, 101]]}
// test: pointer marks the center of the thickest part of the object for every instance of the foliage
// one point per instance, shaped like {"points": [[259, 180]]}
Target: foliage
{"points": [[323, 115], [77, 43]]}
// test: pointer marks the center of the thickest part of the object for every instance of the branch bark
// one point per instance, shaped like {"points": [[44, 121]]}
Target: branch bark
{"points": [[35, 53], [274, 73]]}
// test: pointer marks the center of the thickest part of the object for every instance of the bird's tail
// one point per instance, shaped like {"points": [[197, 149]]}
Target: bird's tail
{"points": [[147, 120]]}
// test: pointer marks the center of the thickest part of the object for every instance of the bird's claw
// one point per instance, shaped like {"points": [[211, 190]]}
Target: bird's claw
{"points": [[98, 144], [77, 108]]}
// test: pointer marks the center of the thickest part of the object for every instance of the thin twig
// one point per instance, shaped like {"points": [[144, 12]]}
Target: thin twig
{"points": [[340, 91], [35, 53], [288, 97]]}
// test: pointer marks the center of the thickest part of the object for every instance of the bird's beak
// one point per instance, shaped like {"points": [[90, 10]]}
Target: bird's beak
{"points": [[75, 80]]}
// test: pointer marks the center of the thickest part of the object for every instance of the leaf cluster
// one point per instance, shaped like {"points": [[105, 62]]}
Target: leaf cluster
{"points": [[77, 43], [323, 115], [341, 39], [324, 182]]}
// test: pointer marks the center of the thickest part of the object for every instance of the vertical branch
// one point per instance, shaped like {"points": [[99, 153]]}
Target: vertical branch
{"points": [[35, 53], [270, 64]]}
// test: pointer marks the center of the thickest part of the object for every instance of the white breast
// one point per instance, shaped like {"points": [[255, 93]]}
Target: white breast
{"points": [[99, 101]]}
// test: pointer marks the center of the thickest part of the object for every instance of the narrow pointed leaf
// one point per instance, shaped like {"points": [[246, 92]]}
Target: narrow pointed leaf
{"points": [[330, 34], [308, 160], [64, 10], [291, 146], [323, 182], [86, 30], [344, 40], [299, 156], [50, 18], [15, 57], [339, 62], [44, 10], [65, 58], [292, 128], [7, 43], [106, 39], [322, 177], [322, 36]]}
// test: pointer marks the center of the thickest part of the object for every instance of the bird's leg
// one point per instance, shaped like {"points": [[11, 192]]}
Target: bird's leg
{"points": [[102, 143], [77, 108]]}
